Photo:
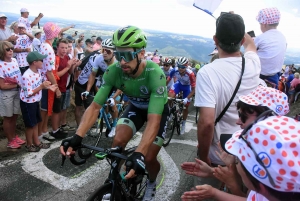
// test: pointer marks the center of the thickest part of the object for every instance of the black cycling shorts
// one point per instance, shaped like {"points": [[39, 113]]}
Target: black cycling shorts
{"points": [[139, 117]]}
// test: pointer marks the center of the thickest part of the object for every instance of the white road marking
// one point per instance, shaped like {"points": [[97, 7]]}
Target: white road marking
{"points": [[187, 142], [172, 177], [189, 126], [7, 163], [190, 115]]}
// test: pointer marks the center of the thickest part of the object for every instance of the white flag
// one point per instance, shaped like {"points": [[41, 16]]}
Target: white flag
{"points": [[208, 6]]}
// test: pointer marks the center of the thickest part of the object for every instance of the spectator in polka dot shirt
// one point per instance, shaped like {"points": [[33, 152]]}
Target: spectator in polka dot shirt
{"points": [[24, 19], [23, 46], [31, 86], [10, 77]]}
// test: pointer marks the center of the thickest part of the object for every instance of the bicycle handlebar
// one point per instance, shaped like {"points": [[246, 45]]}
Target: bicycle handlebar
{"points": [[109, 151], [176, 99]]}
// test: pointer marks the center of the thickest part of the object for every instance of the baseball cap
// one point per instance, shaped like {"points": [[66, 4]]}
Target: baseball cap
{"points": [[230, 29], [24, 10], [20, 24], [70, 38], [2, 15], [268, 16], [38, 31], [88, 40], [51, 30], [35, 56], [274, 142], [272, 98]]}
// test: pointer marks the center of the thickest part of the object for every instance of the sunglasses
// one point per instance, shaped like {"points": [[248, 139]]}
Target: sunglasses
{"points": [[106, 50], [242, 116], [180, 66], [9, 48], [243, 136], [127, 56], [166, 65]]}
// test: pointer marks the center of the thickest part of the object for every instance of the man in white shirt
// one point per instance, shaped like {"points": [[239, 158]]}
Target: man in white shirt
{"points": [[24, 19], [5, 32], [271, 45], [215, 85]]}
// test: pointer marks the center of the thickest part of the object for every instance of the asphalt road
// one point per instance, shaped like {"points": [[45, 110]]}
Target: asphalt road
{"points": [[38, 176]]}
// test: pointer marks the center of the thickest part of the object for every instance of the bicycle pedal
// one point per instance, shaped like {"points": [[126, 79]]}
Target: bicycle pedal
{"points": [[101, 155]]}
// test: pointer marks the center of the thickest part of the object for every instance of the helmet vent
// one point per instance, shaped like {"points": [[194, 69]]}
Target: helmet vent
{"points": [[129, 36], [125, 44], [139, 40]]}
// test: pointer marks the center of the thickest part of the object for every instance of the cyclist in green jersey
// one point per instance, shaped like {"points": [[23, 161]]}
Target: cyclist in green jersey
{"points": [[145, 85]]}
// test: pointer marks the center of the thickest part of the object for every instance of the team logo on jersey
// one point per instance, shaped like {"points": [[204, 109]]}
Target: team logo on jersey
{"points": [[279, 108], [144, 89], [23, 42], [160, 90], [161, 76]]}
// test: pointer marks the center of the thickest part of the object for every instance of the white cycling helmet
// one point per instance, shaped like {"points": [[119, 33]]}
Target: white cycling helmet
{"points": [[108, 43], [167, 61], [182, 61]]}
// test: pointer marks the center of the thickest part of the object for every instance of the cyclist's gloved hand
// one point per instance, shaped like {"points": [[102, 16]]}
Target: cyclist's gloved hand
{"points": [[137, 162], [85, 94], [70, 144], [111, 102], [185, 101]]}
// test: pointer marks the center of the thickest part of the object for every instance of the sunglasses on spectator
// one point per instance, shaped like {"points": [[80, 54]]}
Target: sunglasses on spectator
{"points": [[127, 56], [9, 48], [243, 117], [107, 51], [166, 65], [182, 67], [243, 136]]}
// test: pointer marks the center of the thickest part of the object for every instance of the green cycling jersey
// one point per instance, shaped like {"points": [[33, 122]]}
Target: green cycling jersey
{"points": [[147, 91]]}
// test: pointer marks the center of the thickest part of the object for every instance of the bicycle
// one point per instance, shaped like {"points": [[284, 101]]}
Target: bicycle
{"points": [[116, 187], [175, 119]]}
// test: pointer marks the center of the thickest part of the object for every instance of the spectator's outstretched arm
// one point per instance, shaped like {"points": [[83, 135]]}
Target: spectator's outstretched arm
{"points": [[37, 20], [66, 29], [249, 44], [202, 192]]}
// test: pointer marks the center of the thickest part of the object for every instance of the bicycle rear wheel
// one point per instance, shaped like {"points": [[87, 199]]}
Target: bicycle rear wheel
{"points": [[104, 193], [169, 132]]}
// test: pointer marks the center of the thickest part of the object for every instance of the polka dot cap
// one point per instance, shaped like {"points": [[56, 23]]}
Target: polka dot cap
{"points": [[51, 30], [270, 97], [268, 16], [276, 141]]}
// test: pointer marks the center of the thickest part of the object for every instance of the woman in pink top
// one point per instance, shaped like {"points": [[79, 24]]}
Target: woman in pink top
{"points": [[294, 83]]}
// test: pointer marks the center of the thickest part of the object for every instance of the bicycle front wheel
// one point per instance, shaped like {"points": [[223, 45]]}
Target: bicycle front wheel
{"points": [[105, 193]]}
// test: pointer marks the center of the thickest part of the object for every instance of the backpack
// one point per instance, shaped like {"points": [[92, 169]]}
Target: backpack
{"points": [[86, 59]]}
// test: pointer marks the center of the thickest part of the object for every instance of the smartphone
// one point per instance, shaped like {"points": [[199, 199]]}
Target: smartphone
{"points": [[251, 33]]}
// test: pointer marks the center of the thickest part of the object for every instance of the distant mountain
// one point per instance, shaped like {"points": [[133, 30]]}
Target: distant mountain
{"points": [[167, 44]]}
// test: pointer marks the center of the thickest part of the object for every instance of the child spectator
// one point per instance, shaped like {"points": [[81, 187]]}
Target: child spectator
{"points": [[30, 96], [10, 77], [23, 46]]}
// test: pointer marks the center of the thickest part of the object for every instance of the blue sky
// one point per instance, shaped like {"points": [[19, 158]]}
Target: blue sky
{"points": [[178, 16]]}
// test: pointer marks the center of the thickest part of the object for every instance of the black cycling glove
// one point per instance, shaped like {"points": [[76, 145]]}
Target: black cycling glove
{"points": [[136, 162], [73, 141]]}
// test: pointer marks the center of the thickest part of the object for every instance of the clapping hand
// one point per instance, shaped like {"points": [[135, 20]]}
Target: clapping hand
{"points": [[197, 168], [200, 192], [225, 157]]}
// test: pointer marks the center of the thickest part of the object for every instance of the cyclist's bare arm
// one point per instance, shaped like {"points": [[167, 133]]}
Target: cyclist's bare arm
{"points": [[192, 93], [91, 81], [118, 92], [88, 119], [149, 134]]}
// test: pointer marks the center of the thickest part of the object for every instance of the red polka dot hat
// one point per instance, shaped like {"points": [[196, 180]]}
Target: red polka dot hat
{"points": [[276, 141], [265, 96], [268, 16], [51, 30]]}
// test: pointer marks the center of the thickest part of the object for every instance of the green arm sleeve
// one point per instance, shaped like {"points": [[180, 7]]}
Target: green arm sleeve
{"points": [[158, 97]]}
